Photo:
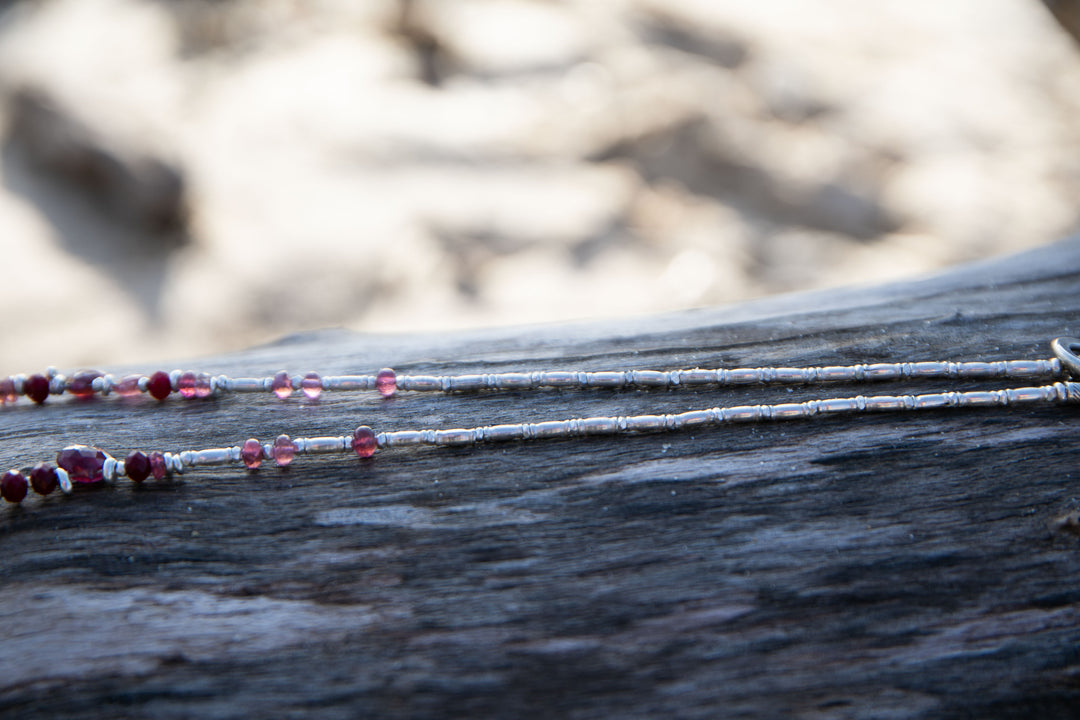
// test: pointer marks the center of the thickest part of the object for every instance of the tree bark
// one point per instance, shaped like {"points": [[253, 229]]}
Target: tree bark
{"points": [[887, 565]]}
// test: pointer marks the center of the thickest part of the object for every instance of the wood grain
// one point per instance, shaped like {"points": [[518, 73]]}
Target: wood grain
{"points": [[899, 566]]}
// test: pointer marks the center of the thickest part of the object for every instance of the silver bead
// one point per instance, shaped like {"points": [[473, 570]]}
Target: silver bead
{"points": [[64, 480]]}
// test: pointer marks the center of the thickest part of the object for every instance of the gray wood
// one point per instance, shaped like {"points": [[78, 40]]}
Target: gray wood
{"points": [[898, 566]]}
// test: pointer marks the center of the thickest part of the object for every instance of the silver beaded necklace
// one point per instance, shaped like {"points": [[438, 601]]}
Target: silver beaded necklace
{"points": [[84, 465]]}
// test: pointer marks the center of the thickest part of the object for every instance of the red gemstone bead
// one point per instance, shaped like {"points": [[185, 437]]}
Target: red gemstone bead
{"points": [[43, 479], [251, 452], [159, 385], [311, 386], [36, 387], [157, 465], [203, 388], [128, 386], [281, 385], [386, 382], [186, 385], [7, 391], [284, 450], [83, 464], [137, 466], [13, 486], [81, 384], [363, 441]]}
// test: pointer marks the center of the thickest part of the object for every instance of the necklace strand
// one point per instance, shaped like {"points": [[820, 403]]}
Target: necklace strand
{"points": [[82, 464], [196, 385]]}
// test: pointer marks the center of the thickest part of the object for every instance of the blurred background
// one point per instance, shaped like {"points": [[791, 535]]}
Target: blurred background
{"points": [[190, 177]]}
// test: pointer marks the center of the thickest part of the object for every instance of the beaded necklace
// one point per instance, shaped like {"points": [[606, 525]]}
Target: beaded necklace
{"points": [[84, 465]]}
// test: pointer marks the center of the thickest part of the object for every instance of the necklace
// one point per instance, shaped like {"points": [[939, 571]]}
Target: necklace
{"points": [[189, 384], [84, 465]]}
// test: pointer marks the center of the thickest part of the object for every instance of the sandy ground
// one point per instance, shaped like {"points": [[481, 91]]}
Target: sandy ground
{"points": [[402, 166]]}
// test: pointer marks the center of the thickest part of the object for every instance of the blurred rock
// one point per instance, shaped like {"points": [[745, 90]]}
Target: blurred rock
{"points": [[425, 164], [135, 187]]}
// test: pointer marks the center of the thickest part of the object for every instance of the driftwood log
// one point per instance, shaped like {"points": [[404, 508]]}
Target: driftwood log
{"points": [[870, 566]]}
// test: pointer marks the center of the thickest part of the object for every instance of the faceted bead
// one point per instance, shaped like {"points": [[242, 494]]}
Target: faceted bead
{"points": [[281, 385], [128, 386], [186, 385], [312, 386], [36, 387], [13, 486], [81, 384], [284, 450], [386, 382], [363, 441], [137, 466], [202, 386], [159, 385], [7, 391], [83, 464], [251, 452], [157, 465], [43, 479]]}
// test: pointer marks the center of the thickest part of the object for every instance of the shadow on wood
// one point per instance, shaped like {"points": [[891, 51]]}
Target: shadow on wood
{"points": [[890, 565]]}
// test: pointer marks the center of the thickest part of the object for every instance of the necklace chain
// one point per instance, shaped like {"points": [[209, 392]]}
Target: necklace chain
{"points": [[81, 464]]}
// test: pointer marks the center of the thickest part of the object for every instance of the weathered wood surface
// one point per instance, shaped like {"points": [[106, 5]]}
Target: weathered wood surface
{"points": [[895, 566]]}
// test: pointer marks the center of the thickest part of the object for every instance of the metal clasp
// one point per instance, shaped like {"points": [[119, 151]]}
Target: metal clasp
{"points": [[1065, 349]]}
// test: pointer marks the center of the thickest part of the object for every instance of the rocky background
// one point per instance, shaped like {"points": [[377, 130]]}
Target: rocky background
{"points": [[186, 177]]}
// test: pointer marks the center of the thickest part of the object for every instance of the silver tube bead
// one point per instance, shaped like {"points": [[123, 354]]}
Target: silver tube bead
{"points": [[350, 382], [599, 425], [550, 429], [243, 384], [501, 433], [210, 456], [559, 379], [513, 381], [694, 418], [649, 378], [698, 376], [607, 379], [419, 383], [327, 444], [455, 436], [400, 438], [645, 423], [467, 383]]}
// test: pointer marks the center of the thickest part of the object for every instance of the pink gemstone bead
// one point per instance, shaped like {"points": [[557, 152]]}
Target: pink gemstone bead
{"points": [[386, 382], [251, 452], [137, 466], [202, 385], [128, 386], [284, 450], [157, 465], [81, 385], [13, 486], [7, 391], [83, 464], [159, 385], [36, 387], [363, 441], [281, 385], [311, 386], [43, 479], [186, 385]]}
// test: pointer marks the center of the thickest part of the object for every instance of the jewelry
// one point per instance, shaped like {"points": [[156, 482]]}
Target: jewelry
{"points": [[196, 385], [82, 464]]}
